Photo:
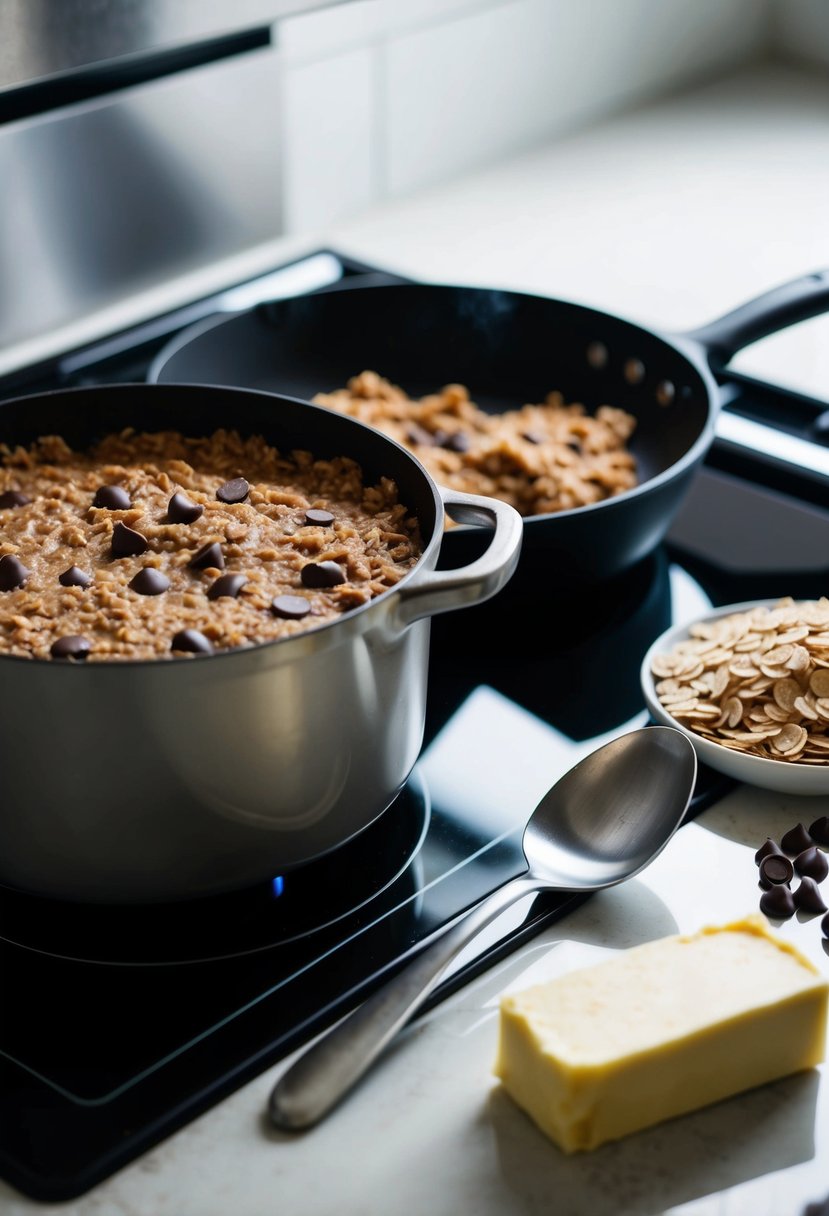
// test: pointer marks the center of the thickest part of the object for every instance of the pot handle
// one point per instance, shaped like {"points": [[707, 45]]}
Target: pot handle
{"points": [[797, 300], [443, 590]]}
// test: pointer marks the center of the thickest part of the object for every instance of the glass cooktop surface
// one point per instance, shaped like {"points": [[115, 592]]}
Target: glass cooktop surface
{"points": [[118, 1025]]}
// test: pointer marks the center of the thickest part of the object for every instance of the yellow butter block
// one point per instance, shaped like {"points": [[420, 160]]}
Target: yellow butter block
{"points": [[660, 1031]]}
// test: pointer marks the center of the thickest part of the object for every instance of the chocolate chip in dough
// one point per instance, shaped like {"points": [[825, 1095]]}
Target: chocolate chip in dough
{"points": [[812, 864], [13, 498], [819, 831], [126, 542], [228, 585], [775, 869], [13, 573], [236, 490], [192, 642], [456, 442], [72, 647], [778, 903], [318, 519], [74, 577], [209, 557], [534, 437], [181, 510], [769, 849], [796, 841], [291, 607], [322, 574], [111, 498], [149, 582], [808, 898], [418, 434]]}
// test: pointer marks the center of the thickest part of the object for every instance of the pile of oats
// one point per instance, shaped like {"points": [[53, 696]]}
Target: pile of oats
{"points": [[756, 682], [552, 456]]}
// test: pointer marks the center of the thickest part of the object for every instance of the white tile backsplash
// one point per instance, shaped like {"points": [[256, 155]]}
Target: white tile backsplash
{"points": [[396, 16], [387, 96], [465, 92], [328, 140], [329, 30], [496, 81]]}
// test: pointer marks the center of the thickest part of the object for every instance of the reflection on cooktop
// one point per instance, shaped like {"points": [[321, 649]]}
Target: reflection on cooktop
{"points": [[372, 868]]}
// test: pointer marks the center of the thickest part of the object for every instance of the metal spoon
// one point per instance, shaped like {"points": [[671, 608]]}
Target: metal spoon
{"points": [[603, 822]]}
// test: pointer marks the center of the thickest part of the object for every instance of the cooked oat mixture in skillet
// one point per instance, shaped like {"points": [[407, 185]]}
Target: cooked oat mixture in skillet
{"points": [[541, 458], [157, 545]]}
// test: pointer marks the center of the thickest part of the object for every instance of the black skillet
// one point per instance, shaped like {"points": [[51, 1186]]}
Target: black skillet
{"points": [[509, 348]]}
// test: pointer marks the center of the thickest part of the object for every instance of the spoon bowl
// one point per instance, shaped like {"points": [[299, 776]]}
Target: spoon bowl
{"points": [[601, 823], [612, 813]]}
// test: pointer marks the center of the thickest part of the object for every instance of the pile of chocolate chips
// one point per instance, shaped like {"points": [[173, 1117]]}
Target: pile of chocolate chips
{"points": [[778, 901]]}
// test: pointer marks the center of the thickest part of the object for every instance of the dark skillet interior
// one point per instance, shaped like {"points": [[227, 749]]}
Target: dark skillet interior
{"points": [[83, 415], [508, 348]]}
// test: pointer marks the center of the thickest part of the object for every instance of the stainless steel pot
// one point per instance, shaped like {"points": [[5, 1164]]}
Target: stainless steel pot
{"points": [[149, 781]]}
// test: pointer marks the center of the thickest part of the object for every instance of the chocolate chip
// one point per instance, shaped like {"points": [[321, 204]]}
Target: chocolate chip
{"points": [[808, 898], [228, 585], [180, 510], [291, 607], [12, 573], [455, 443], [236, 490], [149, 581], [73, 647], [769, 849], [322, 574], [128, 543], [13, 498], [574, 446], [819, 831], [775, 869], [74, 577], [812, 864], [318, 519], [534, 437], [796, 841], [111, 498], [418, 434], [191, 641], [209, 557], [778, 903], [824, 925]]}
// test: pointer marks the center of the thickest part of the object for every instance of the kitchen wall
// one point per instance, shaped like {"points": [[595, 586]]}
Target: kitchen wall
{"points": [[382, 97]]}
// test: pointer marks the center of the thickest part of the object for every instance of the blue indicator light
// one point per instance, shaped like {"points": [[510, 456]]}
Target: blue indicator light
{"points": [[277, 885]]}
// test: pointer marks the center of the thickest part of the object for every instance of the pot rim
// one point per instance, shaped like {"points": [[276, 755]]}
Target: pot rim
{"points": [[347, 624]]}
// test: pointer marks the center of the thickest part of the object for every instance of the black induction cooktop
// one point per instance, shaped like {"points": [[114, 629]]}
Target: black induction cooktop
{"points": [[118, 1025]]}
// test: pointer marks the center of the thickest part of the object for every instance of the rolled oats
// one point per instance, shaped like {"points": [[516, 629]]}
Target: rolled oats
{"points": [[755, 682]]}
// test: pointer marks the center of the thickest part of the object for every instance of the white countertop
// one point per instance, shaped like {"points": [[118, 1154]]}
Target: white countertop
{"points": [[669, 216]]}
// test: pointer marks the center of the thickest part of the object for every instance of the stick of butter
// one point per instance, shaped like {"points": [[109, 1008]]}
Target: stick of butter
{"points": [[664, 1029]]}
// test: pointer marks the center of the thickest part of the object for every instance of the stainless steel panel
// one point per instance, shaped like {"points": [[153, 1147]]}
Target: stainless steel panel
{"points": [[40, 38], [124, 192]]}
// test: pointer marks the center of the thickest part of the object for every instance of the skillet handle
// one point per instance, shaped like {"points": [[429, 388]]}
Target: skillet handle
{"points": [[785, 305], [444, 590]]}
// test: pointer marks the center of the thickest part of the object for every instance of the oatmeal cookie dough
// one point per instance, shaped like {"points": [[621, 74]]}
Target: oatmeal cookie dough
{"points": [[156, 545], [540, 458]]}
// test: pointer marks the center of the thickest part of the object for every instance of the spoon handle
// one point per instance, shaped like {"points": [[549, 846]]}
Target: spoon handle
{"points": [[321, 1077]]}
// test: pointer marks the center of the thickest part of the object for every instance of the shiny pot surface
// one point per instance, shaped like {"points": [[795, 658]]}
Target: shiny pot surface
{"points": [[162, 780]]}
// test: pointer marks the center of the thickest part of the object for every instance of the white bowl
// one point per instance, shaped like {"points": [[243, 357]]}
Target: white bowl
{"points": [[787, 777]]}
